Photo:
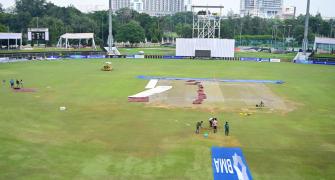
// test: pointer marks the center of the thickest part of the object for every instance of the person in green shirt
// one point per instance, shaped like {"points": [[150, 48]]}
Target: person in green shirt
{"points": [[198, 126], [226, 129]]}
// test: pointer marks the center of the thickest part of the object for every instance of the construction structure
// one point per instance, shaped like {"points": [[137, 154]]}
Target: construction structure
{"points": [[206, 33], [205, 23]]}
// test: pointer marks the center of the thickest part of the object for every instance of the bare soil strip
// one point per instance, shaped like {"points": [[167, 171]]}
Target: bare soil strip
{"points": [[234, 97]]}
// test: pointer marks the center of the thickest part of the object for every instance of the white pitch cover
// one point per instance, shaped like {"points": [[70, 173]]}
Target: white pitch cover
{"points": [[151, 84], [150, 92]]}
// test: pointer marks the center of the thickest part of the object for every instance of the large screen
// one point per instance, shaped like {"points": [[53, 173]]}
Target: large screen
{"points": [[202, 53], [38, 34]]}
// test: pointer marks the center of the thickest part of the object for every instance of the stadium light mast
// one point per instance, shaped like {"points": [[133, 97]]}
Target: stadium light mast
{"points": [[305, 41], [110, 35]]}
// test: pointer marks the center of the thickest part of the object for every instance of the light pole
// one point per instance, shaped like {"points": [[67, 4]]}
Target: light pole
{"points": [[318, 30], [284, 27], [305, 41], [274, 35], [110, 35], [241, 33], [102, 30], [289, 37], [331, 29]]}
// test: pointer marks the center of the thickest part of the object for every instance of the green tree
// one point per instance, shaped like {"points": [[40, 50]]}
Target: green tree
{"points": [[21, 21], [125, 15], [184, 30], [35, 8], [3, 28], [146, 22], [155, 32], [182, 17], [55, 27], [131, 32], [1, 8], [100, 18]]}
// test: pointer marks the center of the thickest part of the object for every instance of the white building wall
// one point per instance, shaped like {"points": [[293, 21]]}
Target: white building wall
{"points": [[119, 4], [152, 7], [163, 7], [218, 47], [188, 5], [136, 5], [261, 8]]}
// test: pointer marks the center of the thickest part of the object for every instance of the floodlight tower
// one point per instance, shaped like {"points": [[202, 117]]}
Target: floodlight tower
{"points": [[110, 35], [205, 23], [305, 41]]}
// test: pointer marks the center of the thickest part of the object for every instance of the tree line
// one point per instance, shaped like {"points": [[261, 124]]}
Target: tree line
{"points": [[129, 25]]}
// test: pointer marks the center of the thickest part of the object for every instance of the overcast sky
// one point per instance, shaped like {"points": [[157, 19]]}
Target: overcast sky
{"points": [[325, 7]]}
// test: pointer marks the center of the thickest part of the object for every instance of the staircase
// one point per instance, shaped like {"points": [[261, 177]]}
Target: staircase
{"points": [[301, 57], [114, 51]]}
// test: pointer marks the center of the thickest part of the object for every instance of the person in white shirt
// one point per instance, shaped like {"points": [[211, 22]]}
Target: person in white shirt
{"points": [[215, 125]]}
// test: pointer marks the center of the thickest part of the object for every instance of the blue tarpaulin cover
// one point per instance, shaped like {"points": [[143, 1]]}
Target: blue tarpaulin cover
{"points": [[211, 79]]}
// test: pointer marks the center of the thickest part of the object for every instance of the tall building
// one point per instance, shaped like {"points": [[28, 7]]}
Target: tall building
{"points": [[188, 5], [119, 4], [262, 8], [137, 5], [289, 12], [163, 7], [153, 7]]}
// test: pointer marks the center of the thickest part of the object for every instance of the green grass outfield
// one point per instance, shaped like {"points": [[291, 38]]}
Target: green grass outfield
{"points": [[102, 136]]}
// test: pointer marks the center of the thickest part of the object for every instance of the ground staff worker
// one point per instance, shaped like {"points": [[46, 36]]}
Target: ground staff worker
{"points": [[198, 126], [226, 129], [215, 125]]}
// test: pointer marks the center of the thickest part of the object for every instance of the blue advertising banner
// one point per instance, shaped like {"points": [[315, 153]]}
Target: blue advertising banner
{"points": [[229, 164], [96, 56], [77, 57], [130, 56], [248, 59], [324, 62], [173, 57], [264, 59]]}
